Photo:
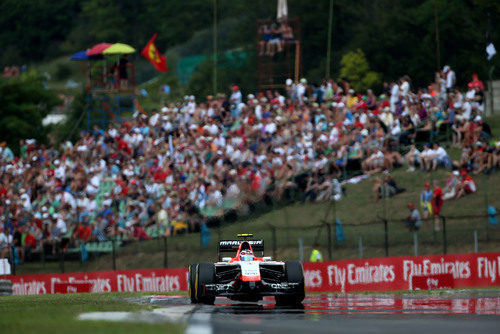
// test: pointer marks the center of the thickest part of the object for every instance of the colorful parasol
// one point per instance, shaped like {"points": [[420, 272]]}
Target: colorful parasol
{"points": [[118, 49], [98, 49]]}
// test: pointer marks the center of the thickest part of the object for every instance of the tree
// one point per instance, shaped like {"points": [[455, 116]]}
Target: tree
{"points": [[24, 103], [107, 23], [355, 68]]}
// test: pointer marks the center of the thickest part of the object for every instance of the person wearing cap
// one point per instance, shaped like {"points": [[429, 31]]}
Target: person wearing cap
{"points": [[476, 83], [301, 90], [235, 100], [467, 184], [425, 201], [437, 204], [413, 221]]}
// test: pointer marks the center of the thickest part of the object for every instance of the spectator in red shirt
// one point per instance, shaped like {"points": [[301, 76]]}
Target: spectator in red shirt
{"points": [[437, 204], [476, 82], [139, 233], [83, 232]]}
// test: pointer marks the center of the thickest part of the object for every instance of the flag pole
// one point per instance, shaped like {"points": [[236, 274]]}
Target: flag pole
{"points": [[491, 69], [436, 27], [215, 49], [329, 42]]}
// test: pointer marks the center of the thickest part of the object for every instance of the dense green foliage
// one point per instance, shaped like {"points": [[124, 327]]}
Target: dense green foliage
{"points": [[355, 68], [24, 103], [397, 37]]}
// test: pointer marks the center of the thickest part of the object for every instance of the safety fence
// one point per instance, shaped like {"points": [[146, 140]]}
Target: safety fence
{"points": [[335, 240]]}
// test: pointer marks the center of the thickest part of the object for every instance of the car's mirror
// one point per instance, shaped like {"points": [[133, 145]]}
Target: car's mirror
{"points": [[226, 259], [267, 258]]}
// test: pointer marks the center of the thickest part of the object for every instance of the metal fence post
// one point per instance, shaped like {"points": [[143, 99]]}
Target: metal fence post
{"points": [[329, 230], [165, 257], [301, 250], [476, 248], [415, 243], [386, 238], [360, 247], [445, 245], [113, 240]]}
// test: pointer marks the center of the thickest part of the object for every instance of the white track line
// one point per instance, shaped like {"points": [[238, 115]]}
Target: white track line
{"points": [[200, 322]]}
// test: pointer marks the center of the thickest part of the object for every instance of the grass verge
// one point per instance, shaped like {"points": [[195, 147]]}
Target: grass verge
{"points": [[57, 314]]}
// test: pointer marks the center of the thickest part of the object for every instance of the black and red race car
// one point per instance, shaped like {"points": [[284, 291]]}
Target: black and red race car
{"points": [[246, 277]]}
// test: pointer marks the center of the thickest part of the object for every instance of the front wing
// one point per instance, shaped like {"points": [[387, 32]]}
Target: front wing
{"points": [[260, 288]]}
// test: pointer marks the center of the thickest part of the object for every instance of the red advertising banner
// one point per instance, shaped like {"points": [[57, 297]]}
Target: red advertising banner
{"points": [[432, 282], [72, 287], [396, 273], [374, 274], [154, 280]]}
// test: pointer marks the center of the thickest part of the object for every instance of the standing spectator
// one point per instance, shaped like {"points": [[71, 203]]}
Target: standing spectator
{"points": [[425, 202], [394, 96], [413, 221], [476, 82], [450, 79], [4, 243], [437, 204], [316, 254]]}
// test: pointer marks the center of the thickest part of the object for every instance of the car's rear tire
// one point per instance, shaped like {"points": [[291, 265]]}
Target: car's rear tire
{"points": [[293, 274], [192, 283], [205, 274]]}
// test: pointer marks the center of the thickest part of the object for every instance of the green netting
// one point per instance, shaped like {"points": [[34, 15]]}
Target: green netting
{"points": [[229, 59]]}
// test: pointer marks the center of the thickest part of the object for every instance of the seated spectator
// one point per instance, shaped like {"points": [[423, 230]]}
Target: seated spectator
{"points": [[374, 162], [412, 158], [451, 186], [440, 157], [311, 189], [139, 234], [385, 188], [466, 186], [264, 47], [392, 159]]}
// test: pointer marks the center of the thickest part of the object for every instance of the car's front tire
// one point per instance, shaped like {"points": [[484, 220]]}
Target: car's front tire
{"points": [[205, 274], [192, 283], [293, 274]]}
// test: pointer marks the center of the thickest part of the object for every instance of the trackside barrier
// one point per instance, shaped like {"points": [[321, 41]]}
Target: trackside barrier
{"points": [[397, 273], [154, 280], [374, 274]]}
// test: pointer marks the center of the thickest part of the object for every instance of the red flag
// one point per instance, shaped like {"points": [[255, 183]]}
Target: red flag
{"points": [[151, 53]]}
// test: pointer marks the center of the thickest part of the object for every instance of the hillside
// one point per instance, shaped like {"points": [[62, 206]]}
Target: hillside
{"points": [[358, 213]]}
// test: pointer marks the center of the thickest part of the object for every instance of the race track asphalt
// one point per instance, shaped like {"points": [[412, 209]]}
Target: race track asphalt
{"points": [[454, 312]]}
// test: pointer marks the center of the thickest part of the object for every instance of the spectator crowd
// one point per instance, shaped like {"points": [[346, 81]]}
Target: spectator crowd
{"points": [[178, 167]]}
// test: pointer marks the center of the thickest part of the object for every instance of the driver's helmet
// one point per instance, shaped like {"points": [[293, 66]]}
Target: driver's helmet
{"points": [[246, 255]]}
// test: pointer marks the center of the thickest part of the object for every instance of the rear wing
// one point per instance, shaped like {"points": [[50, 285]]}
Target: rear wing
{"points": [[227, 246]]}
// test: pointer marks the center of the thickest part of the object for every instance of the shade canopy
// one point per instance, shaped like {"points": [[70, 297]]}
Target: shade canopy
{"points": [[98, 49], [80, 55], [118, 49]]}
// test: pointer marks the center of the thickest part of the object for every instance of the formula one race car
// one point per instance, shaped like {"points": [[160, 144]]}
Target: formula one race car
{"points": [[246, 277]]}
